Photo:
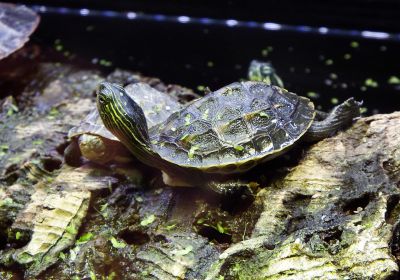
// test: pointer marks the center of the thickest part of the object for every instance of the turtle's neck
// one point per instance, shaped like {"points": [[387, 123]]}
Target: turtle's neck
{"points": [[124, 118]]}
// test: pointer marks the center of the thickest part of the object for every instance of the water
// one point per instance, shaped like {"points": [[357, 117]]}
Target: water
{"points": [[326, 68]]}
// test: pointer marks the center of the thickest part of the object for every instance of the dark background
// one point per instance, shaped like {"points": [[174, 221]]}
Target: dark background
{"points": [[196, 55]]}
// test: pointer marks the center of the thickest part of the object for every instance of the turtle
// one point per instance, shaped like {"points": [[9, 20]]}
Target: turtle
{"points": [[94, 142], [227, 132], [263, 71]]}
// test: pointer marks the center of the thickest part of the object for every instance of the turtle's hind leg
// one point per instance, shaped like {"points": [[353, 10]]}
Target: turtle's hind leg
{"points": [[340, 117]]}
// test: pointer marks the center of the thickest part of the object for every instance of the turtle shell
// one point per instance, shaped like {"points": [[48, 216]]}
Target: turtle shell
{"points": [[157, 107], [232, 129], [93, 125]]}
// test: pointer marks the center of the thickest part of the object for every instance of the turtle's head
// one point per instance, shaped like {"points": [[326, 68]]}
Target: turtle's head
{"points": [[261, 71], [121, 115], [108, 93]]}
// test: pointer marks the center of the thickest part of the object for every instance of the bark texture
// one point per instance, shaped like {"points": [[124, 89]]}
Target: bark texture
{"points": [[331, 216]]}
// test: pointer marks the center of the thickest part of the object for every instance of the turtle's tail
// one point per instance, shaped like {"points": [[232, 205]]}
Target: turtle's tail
{"points": [[340, 117]]}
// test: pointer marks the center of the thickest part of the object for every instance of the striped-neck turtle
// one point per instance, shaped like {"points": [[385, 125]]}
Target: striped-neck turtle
{"points": [[228, 131], [94, 142]]}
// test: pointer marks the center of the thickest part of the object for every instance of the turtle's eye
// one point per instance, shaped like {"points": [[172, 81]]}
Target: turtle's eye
{"points": [[102, 99], [104, 93]]}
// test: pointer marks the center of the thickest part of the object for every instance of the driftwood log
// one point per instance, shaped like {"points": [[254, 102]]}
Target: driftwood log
{"points": [[331, 216], [330, 211]]}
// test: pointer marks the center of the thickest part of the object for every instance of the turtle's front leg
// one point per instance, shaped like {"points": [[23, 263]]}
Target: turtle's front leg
{"points": [[233, 187], [218, 184], [72, 154]]}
